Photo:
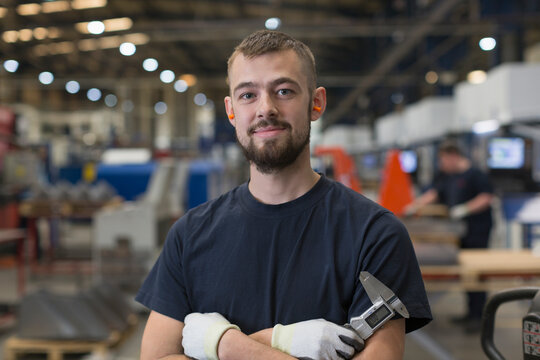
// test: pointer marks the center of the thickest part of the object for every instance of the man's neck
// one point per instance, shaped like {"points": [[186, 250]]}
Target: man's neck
{"points": [[285, 185]]}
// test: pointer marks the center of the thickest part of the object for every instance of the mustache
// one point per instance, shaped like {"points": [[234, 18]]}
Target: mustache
{"points": [[266, 123]]}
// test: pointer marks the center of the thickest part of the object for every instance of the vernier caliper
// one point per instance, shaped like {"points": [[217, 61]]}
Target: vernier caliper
{"points": [[385, 305]]}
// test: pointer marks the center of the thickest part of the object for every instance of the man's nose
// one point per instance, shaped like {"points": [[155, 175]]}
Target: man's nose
{"points": [[267, 107]]}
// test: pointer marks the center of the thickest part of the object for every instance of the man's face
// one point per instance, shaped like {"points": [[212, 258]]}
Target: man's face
{"points": [[448, 163], [272, 108]]}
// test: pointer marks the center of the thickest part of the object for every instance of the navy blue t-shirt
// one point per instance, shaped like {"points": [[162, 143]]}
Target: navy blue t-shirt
{"points": [[259, 265], [455, 189]]}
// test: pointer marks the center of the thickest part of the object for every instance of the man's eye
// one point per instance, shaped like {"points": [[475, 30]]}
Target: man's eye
{"points": [[247, 96], [284, 92]]}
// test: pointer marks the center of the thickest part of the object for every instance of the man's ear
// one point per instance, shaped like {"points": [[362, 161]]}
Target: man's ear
{"points": [[229, 110], [318, 103]]}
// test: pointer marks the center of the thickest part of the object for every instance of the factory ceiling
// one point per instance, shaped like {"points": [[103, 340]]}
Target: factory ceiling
{"points": [[372, 56]]}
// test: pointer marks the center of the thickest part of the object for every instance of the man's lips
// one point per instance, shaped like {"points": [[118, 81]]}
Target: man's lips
{"points": [[268, 131]]}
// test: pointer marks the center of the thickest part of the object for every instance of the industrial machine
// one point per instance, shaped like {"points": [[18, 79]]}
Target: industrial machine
{"points": [[530, 325]]}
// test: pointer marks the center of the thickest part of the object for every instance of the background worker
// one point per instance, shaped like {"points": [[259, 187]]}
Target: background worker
{"points": [[270, 270], [468, 193]]}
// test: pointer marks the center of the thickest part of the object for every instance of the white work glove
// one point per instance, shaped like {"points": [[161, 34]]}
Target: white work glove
{"points": [[317, 339], [201, 335], [459, 211]]}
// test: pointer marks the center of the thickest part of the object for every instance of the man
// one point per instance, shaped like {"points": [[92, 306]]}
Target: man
{"points": [[280, 256], [468, 193]]}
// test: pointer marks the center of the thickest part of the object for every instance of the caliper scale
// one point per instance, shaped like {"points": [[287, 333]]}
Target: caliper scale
{"points": [[385, 305]]}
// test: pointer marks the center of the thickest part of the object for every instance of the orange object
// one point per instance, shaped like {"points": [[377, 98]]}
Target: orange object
{"points": [[317, 108], [231, 116], [396, 188], [344, 169]]}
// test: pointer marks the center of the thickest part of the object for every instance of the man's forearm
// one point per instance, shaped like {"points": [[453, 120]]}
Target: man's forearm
{"points": [[234, 345], [388, 343]]}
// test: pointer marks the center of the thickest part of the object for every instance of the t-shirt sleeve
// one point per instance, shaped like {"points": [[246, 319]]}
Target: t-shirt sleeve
{"points": [[388, 255], [164, 289], [482, 183]]}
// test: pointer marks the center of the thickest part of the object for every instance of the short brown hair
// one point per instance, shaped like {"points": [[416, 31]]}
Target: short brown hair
{"points": [[450, 147], [265, 41]]}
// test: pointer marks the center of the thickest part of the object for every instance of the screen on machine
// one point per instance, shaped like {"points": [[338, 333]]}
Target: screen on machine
{"points": [[506, 153]]}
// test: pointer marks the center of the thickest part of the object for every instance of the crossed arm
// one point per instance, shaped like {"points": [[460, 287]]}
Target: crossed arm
{"points": [[162, 339]]}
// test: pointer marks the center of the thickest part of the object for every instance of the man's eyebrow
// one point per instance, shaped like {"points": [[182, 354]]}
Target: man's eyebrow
{"points": [[246, 84], [284, 80]]}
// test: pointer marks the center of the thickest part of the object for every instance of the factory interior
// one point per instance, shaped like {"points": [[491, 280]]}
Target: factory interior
{"points": [[113, 126]]}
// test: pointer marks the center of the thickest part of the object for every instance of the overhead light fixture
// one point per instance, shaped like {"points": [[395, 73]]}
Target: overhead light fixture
{"points": [[95, 27], [180, 86], [40, 33], [54, 33], [487, 43], [160, 108], [3, 11], [272, 23], [150, 64], [73, 87], [200, 99], [111, 100], [93, 94], [55, 6], [10, 36], [476, 77], [26, 34], [432, 77], [11, 65], [28, 9], [87, 4], [485, 126], [190, 79], [167, 76], [46, 77], [127, 49]]}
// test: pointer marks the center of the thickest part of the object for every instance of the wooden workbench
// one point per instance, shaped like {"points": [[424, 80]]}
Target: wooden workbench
{"points": [[484, 269]]}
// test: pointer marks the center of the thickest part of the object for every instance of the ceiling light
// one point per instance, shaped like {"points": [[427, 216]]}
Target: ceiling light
{"points": [[3, 12], [95, 27], [118, 24], [127, 49], [73, 87], [28, 9], [11, 65], [150, 64], [88, 45], [476, 77], [55, 6], [87, 4], [485, 126], [397, 98], [137, 38], [109, 42], [432, 77], [111, 100], [160, 108], [10, 36], [199, 99], [180, 86], [40, 33], [190, 79], [25, 34], [54, 33], [46, 78], [167, 76], [272, 23], [93, 94], [487, 43]]}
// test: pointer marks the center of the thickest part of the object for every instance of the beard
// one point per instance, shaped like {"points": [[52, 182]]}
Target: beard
{"points": [[276, 154]]}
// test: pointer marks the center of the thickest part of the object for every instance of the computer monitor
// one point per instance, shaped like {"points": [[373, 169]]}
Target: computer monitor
{"points": [[408, 160], [506, 153]]}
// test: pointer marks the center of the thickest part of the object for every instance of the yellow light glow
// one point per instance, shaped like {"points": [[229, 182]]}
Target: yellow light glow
{"points": [[189, 79], [87, 4], [26, 34], [54, 33], [55, 6], [82, 27], [10, 36], [64, 47], [432, 77], [41, 50], [476, 77], [40, 33], [118, 24], [3, 12], [137, 38], [28, 9], [109, 42]]}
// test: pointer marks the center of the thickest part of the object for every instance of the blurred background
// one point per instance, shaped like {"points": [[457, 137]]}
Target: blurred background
{"points": [[112, 126]]}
